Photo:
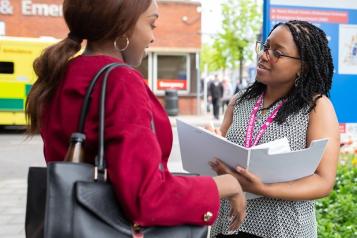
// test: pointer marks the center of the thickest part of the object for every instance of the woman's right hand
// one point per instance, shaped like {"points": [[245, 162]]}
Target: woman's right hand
{"points": [[238, 212], [236, 199], [229, 188]]}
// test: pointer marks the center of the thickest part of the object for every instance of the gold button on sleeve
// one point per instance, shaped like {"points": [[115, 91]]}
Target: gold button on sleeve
{"points": [[207, 216]]}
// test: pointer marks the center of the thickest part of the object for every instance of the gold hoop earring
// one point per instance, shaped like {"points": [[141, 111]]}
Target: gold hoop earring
{"points": [[124, 48]]}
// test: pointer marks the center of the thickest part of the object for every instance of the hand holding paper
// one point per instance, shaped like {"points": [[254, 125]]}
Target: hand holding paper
{"points": [[249, 182]]}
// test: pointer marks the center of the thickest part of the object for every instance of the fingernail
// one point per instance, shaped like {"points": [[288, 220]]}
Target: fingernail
{"points": [[239, 169], [213, 163]]}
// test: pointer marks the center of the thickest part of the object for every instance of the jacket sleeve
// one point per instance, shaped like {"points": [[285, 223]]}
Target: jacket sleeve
{"points": [[147, 191]]}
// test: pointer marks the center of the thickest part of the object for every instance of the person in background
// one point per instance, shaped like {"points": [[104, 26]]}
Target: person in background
{"points": [[138, 134], [241, 85], [237, 88], [244, 84], [227, 93], [205, 82], [289, 99], [216, 93]]}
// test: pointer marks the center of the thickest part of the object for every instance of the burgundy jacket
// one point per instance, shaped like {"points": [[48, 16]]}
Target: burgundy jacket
{"points": [[136, 157]]}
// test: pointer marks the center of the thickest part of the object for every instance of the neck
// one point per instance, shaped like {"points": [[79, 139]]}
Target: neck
{"points": [[273, 94], [102, 48]]}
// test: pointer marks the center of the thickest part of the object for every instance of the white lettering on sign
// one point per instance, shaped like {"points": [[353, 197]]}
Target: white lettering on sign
{"points": [[171, 85], [6, 7], [41, 9]]}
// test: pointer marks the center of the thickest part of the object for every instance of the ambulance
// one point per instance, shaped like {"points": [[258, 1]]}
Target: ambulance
{"points": [[17, 55]]}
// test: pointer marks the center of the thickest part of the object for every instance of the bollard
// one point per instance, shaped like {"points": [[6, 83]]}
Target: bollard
{"points": [[171, 102]]}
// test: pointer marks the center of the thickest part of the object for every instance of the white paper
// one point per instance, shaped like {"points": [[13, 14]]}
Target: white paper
{"points": [[273, 162], [275, 147]]}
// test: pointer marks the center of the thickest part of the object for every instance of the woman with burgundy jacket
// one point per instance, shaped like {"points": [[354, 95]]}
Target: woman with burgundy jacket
{"points": [[119, 31]]}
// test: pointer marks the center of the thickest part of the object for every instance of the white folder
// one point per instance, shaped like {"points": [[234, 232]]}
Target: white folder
{"points": [[199, 146]]}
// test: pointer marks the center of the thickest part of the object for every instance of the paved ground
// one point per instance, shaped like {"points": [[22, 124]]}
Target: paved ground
{"points": [[18, 153]]}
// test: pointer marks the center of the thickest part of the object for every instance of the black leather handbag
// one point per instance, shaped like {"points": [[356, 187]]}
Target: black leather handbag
{"points": [[69, 199]]}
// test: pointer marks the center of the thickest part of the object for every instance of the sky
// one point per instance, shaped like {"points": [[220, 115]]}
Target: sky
{"points": [[211, 18]]}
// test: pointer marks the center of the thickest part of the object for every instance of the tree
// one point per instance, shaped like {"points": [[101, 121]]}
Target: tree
{"points": [[242, 21], [209, 59]]}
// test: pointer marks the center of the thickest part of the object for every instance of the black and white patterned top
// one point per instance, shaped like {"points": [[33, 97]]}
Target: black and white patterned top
{"points": [[267, 217]]}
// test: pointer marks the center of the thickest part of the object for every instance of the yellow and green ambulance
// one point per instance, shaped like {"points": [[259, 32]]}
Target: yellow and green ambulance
{"points": [[17, 76]]}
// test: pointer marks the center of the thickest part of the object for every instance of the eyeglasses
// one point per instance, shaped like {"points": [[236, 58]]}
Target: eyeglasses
{"points": [[272, 55]]}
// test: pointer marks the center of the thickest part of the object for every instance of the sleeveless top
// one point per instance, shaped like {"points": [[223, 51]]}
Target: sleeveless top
{"points": [[268, 217]]}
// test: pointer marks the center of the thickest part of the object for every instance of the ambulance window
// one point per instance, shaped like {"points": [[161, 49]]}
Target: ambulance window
{"points": [[6, 67]]}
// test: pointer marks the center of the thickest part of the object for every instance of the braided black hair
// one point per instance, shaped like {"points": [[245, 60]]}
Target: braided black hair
{"points": [[316, 71]]}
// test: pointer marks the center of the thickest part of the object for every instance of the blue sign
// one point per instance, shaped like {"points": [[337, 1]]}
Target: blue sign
{"points": [[338, 18]]}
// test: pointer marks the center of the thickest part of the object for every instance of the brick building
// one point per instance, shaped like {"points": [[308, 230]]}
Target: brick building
{"points": [[171, 62]]}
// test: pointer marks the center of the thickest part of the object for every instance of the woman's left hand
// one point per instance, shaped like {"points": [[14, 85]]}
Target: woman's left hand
{"points": [[249, 181]]}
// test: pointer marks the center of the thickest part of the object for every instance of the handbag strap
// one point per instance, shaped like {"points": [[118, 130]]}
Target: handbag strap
{"points": [[100, 172], [88, 94], [100, 165]]}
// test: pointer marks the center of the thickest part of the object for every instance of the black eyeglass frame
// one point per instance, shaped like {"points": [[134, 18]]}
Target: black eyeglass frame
{"points": [[276, 53]]}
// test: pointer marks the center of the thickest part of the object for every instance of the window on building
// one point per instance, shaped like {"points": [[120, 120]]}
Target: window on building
{"points": [[6, 67], [172, 72]]}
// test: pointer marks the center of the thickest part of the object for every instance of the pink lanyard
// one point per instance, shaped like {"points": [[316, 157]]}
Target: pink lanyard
{"points": [[249, 135]]}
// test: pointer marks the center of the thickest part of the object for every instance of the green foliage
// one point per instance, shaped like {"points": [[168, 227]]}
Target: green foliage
{"points": [[337, 214], [242, 21], [211, 58]]}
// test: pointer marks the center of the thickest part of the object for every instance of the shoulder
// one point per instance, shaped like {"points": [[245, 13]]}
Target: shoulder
{"points": [[126, 78], [127, 90], [323, 106], [119, 74], [322, 100], [128, 99], [323, 122], [237, 99], [240, 93], [126, 71], [323, 115]]}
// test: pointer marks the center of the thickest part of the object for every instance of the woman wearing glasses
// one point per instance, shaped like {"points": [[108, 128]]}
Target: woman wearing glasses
{"points": [[290, 95]]}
